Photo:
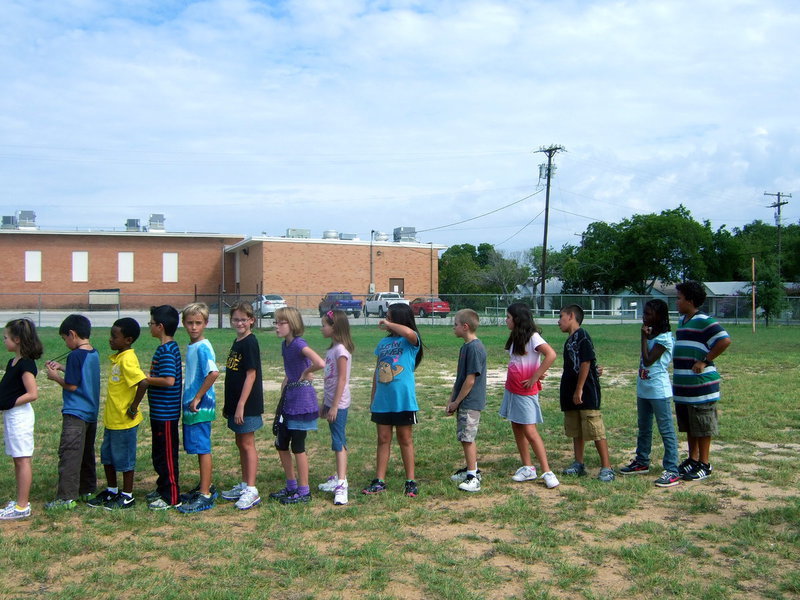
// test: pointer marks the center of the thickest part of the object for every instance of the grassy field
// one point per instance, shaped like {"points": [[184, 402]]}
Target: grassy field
{"points": [[734, 535]]}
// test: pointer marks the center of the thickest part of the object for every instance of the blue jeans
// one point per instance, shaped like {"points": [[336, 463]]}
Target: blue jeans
{"points": [[662, 409]]}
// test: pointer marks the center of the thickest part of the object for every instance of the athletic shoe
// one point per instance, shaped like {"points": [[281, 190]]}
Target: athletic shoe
{"points": [[152, 496], [524, 474], [375, 487], [100, 499], [550, 479], [668, 479], [340, 494], [59, 504], [248, 499], [161, 504], [195, 492], [84, 497], [329, 485], [461, 475], [235, 492], [282, 493], [470, 484], [576, 468], [686, 466], [119, 502], [635, 468], [196, 504], [700, 471], [296, 498], [606, 474], [411, 489], [11, 512]]}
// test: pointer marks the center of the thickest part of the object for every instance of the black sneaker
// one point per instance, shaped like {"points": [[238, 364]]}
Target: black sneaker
{"points": [[119, 502], [686, 467], [296, 498], [700, 471], [281, 494], [375, 487], [411, 489], [100, 499], [461, 475], [152, 496], [635, 468], [195, 492]]}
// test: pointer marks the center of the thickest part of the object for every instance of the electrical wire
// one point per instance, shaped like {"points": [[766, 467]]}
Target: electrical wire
{"points": [[483, 215]]}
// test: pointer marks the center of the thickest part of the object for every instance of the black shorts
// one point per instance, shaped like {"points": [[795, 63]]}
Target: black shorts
{"points": [[407, 417]]}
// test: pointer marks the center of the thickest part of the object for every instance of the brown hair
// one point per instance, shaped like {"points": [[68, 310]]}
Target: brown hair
{"points": [[468, 317], [341, 329], [293, 317], [30, 346]]}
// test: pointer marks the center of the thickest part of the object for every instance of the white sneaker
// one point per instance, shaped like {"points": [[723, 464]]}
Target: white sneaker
{"points": [[330, 484], [10, 512], [248, 499], [470, 484], [340, 494], [525, 474], [235, 492], [550, 479]]}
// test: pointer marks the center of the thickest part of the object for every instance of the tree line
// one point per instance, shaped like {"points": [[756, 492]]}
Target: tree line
{"points": [[635, 254]]}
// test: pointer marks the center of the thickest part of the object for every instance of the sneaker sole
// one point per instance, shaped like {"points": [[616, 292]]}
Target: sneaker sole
{"points": [[634, 472], [186, 511], [468, 490], [340, 503], [526, 479], [370, 493], [666, 485]]}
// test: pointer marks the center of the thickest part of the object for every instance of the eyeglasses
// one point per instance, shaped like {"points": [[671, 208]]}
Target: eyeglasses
{"points": [[151, 323], [239, 321], [281, 322]]}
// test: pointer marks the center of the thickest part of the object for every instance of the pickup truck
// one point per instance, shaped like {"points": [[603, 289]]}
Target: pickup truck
{"points": [[340, 301], [378, 304]]}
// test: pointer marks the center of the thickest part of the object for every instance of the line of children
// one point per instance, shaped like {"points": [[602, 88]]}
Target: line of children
{"points": [[393, 400]]}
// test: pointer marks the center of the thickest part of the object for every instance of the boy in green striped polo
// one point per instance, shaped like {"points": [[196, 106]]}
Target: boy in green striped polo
{"points": [[699, 339]]}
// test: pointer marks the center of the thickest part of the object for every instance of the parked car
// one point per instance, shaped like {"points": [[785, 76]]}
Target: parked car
{"points": [[265, 305], [378, 304], [430, 306], [340, 301]]}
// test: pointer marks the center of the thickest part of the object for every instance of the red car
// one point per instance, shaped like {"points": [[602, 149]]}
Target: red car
{"points": [[430, 306]]}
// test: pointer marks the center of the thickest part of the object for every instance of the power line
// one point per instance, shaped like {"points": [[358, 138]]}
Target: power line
{"points": [[777, 206], [491, 212]]}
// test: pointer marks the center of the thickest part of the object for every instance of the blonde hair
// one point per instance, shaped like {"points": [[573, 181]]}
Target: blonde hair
{"points": [[195, 308], [341, 329], [468, 317], [293, 317]]}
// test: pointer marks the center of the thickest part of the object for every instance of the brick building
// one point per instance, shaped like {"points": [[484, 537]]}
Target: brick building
{"points": [[66, 269]]}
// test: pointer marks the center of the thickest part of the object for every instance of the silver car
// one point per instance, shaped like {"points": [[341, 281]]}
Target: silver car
{"points": [[265, 305]]}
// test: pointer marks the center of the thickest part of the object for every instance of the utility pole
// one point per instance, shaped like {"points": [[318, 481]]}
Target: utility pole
{"points": [[777, 206], [550, 151]]}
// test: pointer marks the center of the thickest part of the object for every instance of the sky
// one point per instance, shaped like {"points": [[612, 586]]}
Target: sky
{"points": [[252, 117]]}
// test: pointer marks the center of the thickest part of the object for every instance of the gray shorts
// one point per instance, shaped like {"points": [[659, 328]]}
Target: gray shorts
{"points": [[467, 421], [698, 420], [524, 410]]}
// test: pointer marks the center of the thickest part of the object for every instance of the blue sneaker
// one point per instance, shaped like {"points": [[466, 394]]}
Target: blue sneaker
{"points": [[197, 504]]}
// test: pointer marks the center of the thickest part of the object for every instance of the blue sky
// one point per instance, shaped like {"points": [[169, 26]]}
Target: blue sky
{"points": [[248, 117]]}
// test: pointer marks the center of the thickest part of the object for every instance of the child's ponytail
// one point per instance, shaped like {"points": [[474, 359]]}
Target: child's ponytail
{"points": [[30, 346]]}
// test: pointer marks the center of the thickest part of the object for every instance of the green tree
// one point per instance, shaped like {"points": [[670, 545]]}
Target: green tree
{"points": [[504, 273], [770, 292]]}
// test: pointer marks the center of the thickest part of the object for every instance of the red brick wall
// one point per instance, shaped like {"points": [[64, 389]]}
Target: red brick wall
{"points": [[198, 268]]}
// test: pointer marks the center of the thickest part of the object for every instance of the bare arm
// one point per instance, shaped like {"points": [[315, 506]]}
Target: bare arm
{"points": [[341, 381], [247, 387], [405, 332], [317, 363], [548, 358], [718, 349], [53, 369], [141, 388], [31, 389], [650, 356], [583, 374], [208, 382], [466, 388]]}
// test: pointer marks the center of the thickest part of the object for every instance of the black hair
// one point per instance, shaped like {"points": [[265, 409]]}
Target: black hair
{"points": [[524, 327], [167, 316], [30, 346], [693, 291], [661, 312], [574, 310], [401, 314], [128, 327], [77, 323]]}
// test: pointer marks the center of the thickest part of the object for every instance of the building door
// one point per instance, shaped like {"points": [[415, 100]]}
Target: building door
{"points": [[397, 284]]}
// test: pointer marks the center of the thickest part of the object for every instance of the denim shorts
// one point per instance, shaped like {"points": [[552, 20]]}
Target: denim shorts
{"points": [[249, 425], [338, 436], [119, 449], [197, 438]]}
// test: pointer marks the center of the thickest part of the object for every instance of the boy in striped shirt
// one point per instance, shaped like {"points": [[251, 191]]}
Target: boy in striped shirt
{"points": [[699, 339]]}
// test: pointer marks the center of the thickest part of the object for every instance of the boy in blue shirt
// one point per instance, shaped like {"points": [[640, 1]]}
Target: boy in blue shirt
{"points": [[199, 405], [80, 384], [164, 396]]}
